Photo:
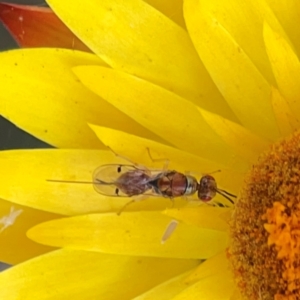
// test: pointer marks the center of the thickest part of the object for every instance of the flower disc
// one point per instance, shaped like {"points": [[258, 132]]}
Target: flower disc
{"points": [[265, 226]]}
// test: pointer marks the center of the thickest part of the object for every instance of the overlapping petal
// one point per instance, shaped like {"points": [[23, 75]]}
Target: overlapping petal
{"points": [[115, 32], [287, 12], [242, 141], [173, 9], [285, 116], [151, 105], [242, 74], [87, 275], [40, 94], [286, 66], [243, 23], [166, 290], [211, 272], [131, 233]]}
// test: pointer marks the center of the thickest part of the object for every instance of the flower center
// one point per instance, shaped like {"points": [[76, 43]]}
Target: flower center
{"points": [[265, 227]]}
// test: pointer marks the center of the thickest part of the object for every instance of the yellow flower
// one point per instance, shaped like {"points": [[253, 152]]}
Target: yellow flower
{"points": [[207, 93]]}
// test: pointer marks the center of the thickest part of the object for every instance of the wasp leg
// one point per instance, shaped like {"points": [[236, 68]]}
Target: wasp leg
{"points": [[154, 160], [123, 208], [135, 199], [172, 201], [189, 198], [129, 160]]}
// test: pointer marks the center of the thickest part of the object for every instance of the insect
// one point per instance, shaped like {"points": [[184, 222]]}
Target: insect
{"points": [[120, 180]]}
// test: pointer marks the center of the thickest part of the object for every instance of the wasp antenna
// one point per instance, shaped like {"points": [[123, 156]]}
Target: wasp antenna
{"points": [[70, 181], [224, 195], [81, 182], [219, 204], [165, 160], [227, 193], [123, 208]]}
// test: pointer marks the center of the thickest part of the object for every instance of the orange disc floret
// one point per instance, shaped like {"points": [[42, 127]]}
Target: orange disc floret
{"points": [[265, 227], [283, 227]]}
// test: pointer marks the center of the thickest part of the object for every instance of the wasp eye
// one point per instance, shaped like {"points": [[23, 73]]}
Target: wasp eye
{"points": [[117, 192], [119, 169]]}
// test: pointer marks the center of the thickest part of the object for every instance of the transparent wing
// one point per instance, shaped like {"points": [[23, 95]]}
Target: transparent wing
{"points": [[120, 180]]}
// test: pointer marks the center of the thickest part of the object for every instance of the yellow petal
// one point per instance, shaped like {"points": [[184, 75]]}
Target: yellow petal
{"points": [[242, 20], [135, 148], [173, 9], [203, 216], [215, 28], [87, 275], [236, 295], [286, 66], [166, 290], [15, 220], [286, 120], [151, 106], [40, 94], [136, 233], [133, 37], [209, 268], [287, 12], [211, 272], [242, 141], [24, 176]]}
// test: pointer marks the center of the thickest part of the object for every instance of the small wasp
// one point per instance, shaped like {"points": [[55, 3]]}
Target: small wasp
{"points": [[120, 180]]}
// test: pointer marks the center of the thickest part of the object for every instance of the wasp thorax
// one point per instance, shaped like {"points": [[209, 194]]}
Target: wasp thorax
{"points": [[173, 184]]}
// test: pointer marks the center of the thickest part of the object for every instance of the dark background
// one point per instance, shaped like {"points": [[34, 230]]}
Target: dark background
{"points": [[12, 137]]}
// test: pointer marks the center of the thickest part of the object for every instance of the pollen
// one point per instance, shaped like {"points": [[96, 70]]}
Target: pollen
{"points": [[265, 228]]}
